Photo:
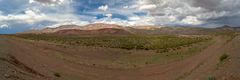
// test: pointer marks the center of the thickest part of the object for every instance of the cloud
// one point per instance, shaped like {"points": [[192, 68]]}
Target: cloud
{"points": [[69, 23], [109, 15], [193, 12], [148, 7], [48, 2], [191, 20], [34, 16], [29, 14], [133, 21], [134, 18], [4, 26], [111, 21], [36, 13], [103, 8]]}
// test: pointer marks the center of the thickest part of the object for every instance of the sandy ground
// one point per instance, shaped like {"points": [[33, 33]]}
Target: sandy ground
{"points": [[24, 60]]}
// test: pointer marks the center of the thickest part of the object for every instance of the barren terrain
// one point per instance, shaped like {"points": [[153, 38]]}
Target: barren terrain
{"points": [[23, 59]]}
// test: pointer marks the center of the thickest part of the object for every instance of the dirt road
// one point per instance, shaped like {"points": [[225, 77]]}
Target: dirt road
{"points": [[24, 60]]}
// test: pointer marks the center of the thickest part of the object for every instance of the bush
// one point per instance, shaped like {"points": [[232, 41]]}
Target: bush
{"points": [[57, 75], [223, 57]]}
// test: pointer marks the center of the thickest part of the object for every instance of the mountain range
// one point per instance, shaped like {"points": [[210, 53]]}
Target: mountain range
{"points": [[112, 29]]}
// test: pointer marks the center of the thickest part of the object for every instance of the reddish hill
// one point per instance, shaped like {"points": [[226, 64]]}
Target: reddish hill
{"points": [[100, 29], [103, 31]]}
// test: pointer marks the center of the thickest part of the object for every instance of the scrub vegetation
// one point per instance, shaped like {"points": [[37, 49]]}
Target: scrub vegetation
{"points": [[149, 42]]}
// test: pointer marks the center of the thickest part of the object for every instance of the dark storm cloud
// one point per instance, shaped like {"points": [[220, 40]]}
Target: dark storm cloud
{"points": [[217, 5], [207, 4], [196, 12], [230, 7]]}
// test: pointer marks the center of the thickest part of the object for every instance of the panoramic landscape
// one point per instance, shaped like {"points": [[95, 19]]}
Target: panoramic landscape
{"points": [[119, 40]]}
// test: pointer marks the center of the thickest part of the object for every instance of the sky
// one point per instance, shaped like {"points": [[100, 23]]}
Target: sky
{"points": [[22, 15]]}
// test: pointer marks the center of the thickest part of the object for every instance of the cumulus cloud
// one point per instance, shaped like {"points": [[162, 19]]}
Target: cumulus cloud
{"points": [[191, 20], [34, 16], [29, 16], [103, 8]]}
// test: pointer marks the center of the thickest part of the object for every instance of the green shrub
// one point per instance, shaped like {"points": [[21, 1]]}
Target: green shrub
{"points": [[211, 78], [223, 57], [57, 75]]}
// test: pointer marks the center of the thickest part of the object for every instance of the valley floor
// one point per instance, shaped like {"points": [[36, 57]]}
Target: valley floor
{"points": [[25, 60]]}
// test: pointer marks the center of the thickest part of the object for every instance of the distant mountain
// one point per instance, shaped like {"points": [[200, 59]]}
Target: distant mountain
{"points": [[112, 29], [101, 26], [67, 27], [103, 31], [146, 27], [90, 27], [52, 30], [229, 28]]}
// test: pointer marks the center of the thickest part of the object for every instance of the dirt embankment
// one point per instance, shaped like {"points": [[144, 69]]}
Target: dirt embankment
{"points": [[21, 60]]}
